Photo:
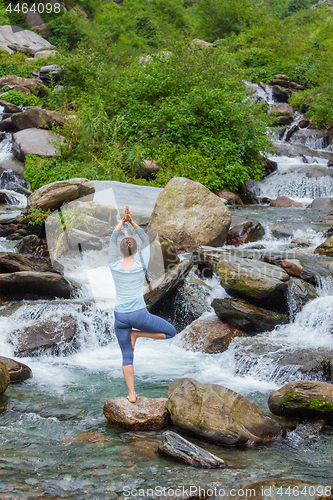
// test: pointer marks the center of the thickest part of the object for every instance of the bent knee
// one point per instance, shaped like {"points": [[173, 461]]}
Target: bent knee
{"points": [[171, 333]]}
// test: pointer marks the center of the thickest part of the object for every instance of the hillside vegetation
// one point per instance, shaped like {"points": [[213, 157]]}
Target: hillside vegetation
{"points": [[140, 89]]}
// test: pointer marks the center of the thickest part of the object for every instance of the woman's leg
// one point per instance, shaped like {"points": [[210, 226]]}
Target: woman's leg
{"points": [[153, 327], [123, 333]]}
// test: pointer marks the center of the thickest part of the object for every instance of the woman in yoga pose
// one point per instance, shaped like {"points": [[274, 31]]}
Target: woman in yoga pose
{"points": [[130, 308]]}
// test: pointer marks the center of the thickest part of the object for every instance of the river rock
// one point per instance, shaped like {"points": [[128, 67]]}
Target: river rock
{"points": [[322, 204], [7, 125], [14, 186], [29, 244], [181, 449], [244, 231], [9, 107], [4, 378], [14, 38], [210, 335], [299, 294], [232, 198], [316, 139], [54, 337], [248, 318], [190, 214], [219, 415], [12, 164], [12, 262], [53, 195], [18, 372], [191, 300], [8, 199], [145, 414], [326, 248], [285, 202], [37, 118], [260, 283], [294, 268], [34, 285], [24, 85], [284, 114], [34, 141], [304, 399], [270, 166], [163, 286]]}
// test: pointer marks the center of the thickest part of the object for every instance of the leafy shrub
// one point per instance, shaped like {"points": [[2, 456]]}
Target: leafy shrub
{"points": [[37, 216], [20, 99]]}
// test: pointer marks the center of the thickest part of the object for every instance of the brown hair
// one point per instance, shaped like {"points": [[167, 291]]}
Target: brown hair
{"points": [[128, 246]]}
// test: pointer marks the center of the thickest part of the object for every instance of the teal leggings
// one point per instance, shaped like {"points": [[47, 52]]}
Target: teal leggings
{"points": [[140, 320]]}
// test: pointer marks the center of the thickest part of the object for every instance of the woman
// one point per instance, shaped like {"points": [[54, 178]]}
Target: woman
{"points": [[130, 308]]}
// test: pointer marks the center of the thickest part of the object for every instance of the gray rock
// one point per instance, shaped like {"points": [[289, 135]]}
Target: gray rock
{"points": [[12, 164], [182, 450], [246, 317], [53, 195], [15, 38], [33, 141], [322, 204]]}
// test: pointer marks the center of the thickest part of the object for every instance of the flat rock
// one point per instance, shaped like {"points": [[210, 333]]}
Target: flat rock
{"points": [[15, 38], [219, 415], [53, 195], [4, 378], [304, 399], [34, 141], [34, 285], [248, 318], [285, 202], [190, 214], [210, 335], [18, 372], [37, 118], [184, 451], [144, 414], [53, 337]]}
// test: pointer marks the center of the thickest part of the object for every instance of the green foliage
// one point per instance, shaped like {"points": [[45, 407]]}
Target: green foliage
{"points": [[36, 217], [3, 14], [21, 99], [14, 64]]}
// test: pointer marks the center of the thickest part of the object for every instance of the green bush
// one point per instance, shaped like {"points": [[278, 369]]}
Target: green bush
{"points": [[20, 99]]}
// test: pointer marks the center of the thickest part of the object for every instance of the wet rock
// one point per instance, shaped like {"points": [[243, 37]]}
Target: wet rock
{"points": [[86, 437], [322, 204], [326, 248], [4, 378], [7, 125], [29, 244], [145, 414], [295, 268], [18, 372], [34, 285], [9, 107], [12, 262], [12, 164], [14, 186], [289, 135], [8, 199], [189, 302], [260, 283], [34, 141], [53, 195], [300, 293], [304, 123], [244, 231], [248, 318], [190, 214], [53, 336], [232, 198], [219, 415], [87, 240], [210, 335], [14, 38], [167, 283], [283, 113], [284, 201], [182, 450], [247, 195], [270, 166], [304, 399], [37, 118]]}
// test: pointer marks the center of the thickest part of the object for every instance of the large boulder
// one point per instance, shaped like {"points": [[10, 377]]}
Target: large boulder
{"points": [[4, 378], [37, 118], [326, 248], [263, 284], [219, 415], [12, 262], [34, 285], [304, 399], [248, 318], [34, 141], [244, 230], [190, 214], [18, 372], [166, 284], [53, 337], [210, 334], [14, 38], [145, 414], [181, 449], [53, 195]]}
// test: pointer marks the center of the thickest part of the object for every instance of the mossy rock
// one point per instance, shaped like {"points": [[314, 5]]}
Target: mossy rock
{"points": [[4, 378]]}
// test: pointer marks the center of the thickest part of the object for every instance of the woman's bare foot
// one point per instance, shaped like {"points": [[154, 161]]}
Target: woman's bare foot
{"points": [[132, 399], [134, 336]]}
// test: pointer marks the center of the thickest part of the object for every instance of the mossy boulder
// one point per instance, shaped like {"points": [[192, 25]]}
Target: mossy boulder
{"points": [[4, 378], [326, 248], [304, 399], [219, 415], [190, 214], [53, 195]]}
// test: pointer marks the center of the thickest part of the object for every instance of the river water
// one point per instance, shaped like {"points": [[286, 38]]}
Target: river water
{"points": [[55, 440]]}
